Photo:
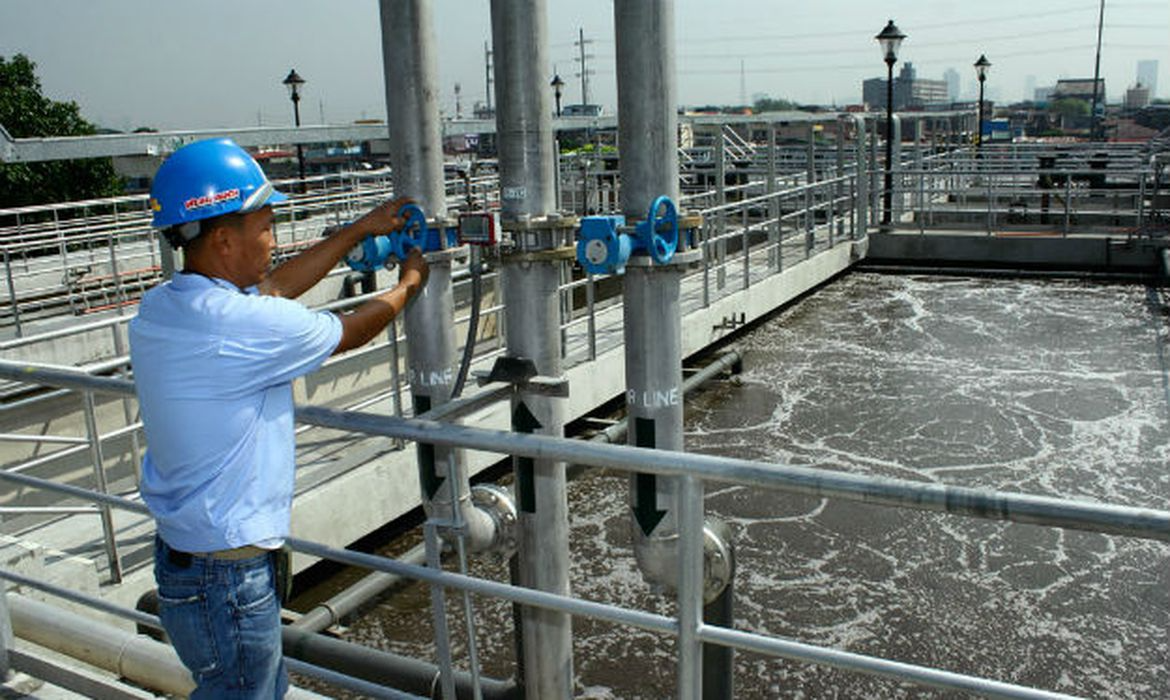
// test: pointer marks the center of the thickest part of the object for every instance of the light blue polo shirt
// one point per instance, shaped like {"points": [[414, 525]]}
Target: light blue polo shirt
{"points": [[213, 367]]}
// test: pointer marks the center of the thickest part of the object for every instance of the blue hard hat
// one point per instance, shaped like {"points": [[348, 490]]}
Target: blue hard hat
{"points": [[206, 179]]}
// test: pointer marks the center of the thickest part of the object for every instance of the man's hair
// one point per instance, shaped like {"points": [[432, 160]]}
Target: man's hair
{"points": [[186, 235]]}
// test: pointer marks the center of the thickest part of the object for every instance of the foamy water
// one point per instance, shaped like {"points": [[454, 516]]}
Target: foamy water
{"points": [[1046, 388]]}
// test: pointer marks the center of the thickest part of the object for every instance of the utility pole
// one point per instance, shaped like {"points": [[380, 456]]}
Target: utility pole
{"points": [[487, 71], [1096, 117], [458, 102], [585, 72]]}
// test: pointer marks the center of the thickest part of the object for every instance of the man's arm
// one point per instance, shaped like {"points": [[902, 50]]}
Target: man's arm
{"points": [[297, 275], [359, 327]]}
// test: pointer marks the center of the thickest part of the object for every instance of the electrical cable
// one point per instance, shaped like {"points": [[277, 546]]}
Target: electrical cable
{"points": [[472, 325]]}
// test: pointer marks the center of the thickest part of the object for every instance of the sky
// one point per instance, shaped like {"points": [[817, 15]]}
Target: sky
{"points": [[216, 64]]}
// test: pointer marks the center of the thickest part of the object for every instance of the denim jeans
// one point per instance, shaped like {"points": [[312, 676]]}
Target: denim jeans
{"points": [[223, 619]]}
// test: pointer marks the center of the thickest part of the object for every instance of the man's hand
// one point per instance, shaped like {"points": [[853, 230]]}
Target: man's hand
{"points": [[383, 218], [413, 272]]}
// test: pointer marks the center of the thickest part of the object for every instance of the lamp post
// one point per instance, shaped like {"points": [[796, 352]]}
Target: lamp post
{"points": [[890, 39], [293, 82], [981, 67], [558, 87]]}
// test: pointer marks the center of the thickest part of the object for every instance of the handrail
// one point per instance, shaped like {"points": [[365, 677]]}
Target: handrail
{"points": [[1113, 519]]}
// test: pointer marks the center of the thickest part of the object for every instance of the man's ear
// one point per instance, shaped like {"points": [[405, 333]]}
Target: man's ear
{"points": [[220, 238]]}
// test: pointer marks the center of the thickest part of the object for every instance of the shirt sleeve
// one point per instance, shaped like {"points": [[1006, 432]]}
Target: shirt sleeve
{"points": [[280, 341]]}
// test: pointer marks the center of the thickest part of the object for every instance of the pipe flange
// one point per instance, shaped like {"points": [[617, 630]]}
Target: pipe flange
{"points": [[683, 259], [551, 222], [718, 559], [498, 504], [558, 254], [447, 255]]}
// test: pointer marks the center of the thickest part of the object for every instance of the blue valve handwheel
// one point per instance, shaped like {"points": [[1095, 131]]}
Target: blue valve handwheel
{"points": [[660, 236], [413, 233]]}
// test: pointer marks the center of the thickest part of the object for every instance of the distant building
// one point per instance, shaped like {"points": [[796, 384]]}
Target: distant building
{"points": [[951, 78], [1043, 94], [910, 92], [1078, 89], [1147, 74], [1137, 97], [580, 110]]}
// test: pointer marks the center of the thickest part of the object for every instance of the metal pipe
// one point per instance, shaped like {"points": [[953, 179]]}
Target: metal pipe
{"points": [[616, 433], [530, 280], [412, 109], [410, 69], [385, 668], [668, 530], [345, 603], [136, 658]]}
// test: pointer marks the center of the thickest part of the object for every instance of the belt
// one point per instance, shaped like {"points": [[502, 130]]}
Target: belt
{"points": [[183, 559]]}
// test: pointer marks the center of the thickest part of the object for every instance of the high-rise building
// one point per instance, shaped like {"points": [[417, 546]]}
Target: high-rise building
{"points": [[1147, 76], [951, 78]]}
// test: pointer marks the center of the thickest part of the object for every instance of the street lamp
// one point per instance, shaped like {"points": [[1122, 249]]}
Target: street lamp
{"points": [[981, 67], [890, 39], [558, 87], [294, 82]]}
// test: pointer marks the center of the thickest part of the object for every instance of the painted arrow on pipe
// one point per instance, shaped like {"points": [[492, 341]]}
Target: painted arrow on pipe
{"points": [[646, 510], [431, 482], [524, 422]]}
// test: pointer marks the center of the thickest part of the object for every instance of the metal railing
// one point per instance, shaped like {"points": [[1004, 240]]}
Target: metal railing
{"points": [[693, 470]]}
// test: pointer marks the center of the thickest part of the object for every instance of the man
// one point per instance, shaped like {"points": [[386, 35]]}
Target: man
{"points": [[214, 353]]}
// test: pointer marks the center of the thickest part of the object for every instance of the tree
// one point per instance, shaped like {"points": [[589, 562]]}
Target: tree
{"points": [[769, 104], [1070, 107], [26, 113]]}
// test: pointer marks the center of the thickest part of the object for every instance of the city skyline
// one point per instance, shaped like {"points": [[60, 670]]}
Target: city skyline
{"points": [[120, 61]]}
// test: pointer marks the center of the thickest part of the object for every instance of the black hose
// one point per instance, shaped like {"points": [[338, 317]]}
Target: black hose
{"points": [[472, 325]]}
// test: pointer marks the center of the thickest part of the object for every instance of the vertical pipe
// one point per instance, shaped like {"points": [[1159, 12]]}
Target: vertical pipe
{"points": [[412, 102], [531, 293], [664, 509], [411, 77]]}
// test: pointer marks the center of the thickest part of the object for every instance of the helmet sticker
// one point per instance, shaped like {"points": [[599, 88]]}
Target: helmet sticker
{"points": [[208, 200]]}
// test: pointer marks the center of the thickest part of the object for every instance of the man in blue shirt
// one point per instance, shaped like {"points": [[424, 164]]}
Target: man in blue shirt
{"points": [[214, 352]]}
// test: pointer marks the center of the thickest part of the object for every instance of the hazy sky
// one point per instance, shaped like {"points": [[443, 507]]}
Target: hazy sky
{"points": [[172, 65]]}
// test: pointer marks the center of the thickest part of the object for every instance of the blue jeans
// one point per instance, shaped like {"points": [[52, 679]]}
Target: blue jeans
{"points": [[223, 619]]}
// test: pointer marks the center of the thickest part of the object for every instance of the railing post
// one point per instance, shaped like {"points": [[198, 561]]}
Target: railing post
{"points": [[99, 474], [7, 639], [775, 236], [12, 292], [721, 219], [690, 588]]}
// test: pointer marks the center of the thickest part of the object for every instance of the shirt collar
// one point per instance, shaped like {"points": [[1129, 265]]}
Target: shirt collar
{"points": [[184, 280]]}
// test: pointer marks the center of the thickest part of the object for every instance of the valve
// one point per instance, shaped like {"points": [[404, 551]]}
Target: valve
{"points": [[375, 252], [601, 248], [605, 243], [658, 235]]}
